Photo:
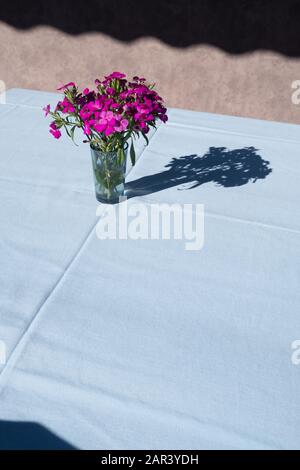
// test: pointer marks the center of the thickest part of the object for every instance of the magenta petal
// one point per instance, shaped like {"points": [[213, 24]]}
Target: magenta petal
{"points": [[47, 110], [99, 127], [109, 131], [87, 129], [56, 133], [118, 75], [109, 115], [124, 124]]}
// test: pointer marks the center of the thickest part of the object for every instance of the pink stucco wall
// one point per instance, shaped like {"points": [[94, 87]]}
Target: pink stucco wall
{"points": [[202, 58]]}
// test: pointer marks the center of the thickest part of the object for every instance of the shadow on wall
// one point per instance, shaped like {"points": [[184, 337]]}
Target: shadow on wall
{"points": [[238, 26], [29, 436], [219, 165]]}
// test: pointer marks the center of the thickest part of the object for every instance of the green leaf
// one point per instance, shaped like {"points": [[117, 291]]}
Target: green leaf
{"points": [[67, 130], [132, 154], [72, 134], [146, 138], [121, 155]]}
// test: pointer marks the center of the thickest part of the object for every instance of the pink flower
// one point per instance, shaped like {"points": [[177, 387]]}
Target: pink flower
{"points": [[55, 131], [124, 95], [65, 107], [65, 87], [107, 104], [110, 91], [117, 75], [47, 109], [122, 126], [111, 122], [87, 128], [109, 130], [94, 105], [163, 117], [144, 128], [148, 103], [69, 109], [141, 90], [143, 109], [58, 107], [101, 125], [56, 134], [138, 79], [85, 113], [115, 106], [109, 115]]}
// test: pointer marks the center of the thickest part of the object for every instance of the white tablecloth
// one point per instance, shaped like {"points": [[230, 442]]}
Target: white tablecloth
{"points": [[126, 344]]}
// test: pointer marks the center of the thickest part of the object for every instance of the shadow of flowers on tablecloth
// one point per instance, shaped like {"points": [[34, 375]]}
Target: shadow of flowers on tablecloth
{"points": [[224, 167]]}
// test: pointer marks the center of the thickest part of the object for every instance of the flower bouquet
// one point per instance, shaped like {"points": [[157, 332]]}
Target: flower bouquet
{"points": [[111, 117]]}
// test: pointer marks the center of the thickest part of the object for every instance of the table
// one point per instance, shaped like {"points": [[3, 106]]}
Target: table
{"points": [[123, 344]]}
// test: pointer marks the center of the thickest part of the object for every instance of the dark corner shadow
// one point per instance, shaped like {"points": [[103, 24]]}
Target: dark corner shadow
{"points": [[219, 165], [237, 26], [29, 436]]}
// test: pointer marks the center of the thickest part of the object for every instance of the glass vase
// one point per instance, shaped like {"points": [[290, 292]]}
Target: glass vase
{"points": [[109, 170]]}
